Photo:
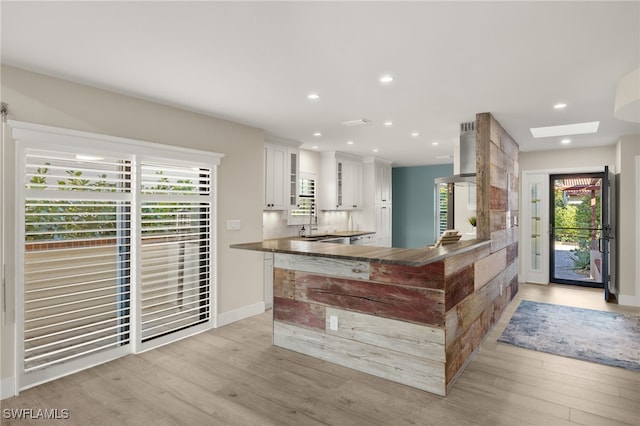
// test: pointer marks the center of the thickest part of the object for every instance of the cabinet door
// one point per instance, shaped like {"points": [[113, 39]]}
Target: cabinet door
{"points": [[351, 185], [383, 225], [275, 179], [293, 172], [383, 184], [356, 185], [268, 280]]}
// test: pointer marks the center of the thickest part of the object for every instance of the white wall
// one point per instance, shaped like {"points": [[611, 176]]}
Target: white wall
{"points": [[627, 150], [35, 98], [569, 158]]}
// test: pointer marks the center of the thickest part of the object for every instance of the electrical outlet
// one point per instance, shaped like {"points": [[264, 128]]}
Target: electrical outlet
{"points": [[333, 322]]}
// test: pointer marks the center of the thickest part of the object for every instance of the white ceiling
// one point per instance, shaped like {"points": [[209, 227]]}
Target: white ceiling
{"points": [[255, 63]]}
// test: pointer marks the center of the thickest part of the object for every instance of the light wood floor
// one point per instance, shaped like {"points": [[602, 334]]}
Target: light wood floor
{"points": [[233, 376]]}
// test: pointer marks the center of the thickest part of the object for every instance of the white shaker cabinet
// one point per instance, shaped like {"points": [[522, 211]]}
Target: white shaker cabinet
{"points": [[281, 167], [268, 280], [376, 214], [340, 181]]}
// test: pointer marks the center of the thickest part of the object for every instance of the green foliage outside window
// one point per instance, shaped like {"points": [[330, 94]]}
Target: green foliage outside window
{"points": [[64, 220]]}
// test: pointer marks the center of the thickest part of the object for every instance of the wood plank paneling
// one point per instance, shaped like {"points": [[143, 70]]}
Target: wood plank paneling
{"points": [[427, 276], [413, 371], [462, 260], [460, 318], [415, 304], [283, 283], [512, 252], [418, 340], [300, 313], [483, 128], [487, 268], [320, 265], [457, 286]]}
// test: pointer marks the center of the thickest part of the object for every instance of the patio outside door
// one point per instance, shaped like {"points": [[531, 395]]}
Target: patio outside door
{"points": [[580, 230]]}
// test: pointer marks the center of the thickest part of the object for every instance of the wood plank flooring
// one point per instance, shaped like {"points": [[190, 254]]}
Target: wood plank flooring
{"points": [[234, 376]]}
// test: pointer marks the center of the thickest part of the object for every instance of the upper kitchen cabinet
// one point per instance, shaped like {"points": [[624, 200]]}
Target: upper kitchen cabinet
{"points": [[340, 181], [281, 169], [382, 181]]}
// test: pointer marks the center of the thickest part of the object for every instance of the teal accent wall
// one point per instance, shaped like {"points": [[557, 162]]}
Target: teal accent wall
{"points": [[414, 204]]}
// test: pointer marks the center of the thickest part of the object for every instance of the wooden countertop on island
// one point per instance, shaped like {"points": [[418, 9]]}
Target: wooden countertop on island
{"points": [[387, 255]]}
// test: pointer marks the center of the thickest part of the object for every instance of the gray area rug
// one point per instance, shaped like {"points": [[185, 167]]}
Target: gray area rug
{"points": [[609, 338]]}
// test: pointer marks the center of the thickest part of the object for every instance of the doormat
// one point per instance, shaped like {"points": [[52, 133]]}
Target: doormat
{"points": [[609, 338]]}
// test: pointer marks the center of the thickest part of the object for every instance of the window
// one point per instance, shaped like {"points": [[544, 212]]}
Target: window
{"points": [[306, 209], [116, 251], [442, 212]]}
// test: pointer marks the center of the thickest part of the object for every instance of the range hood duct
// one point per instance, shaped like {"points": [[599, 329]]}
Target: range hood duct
{"points": [[467, 156]]}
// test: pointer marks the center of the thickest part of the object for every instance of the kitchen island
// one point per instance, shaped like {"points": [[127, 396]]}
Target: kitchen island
{"points": [[414, 316]]}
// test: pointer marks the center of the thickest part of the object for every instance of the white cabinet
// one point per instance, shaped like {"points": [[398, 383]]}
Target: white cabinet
{"points": [[382, 183], [340, 181], [376, 214], [383, 225], [268, 280], [281, 167]]}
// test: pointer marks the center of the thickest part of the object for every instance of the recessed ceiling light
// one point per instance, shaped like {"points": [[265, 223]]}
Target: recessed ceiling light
{"points": [[435, 143], [415, 134], [315, 147], [560, 105], [349, 142], [565, 130], [388, 123], [385, 79], [317, 134], [565, 141], [313, 96], [375, 149]]}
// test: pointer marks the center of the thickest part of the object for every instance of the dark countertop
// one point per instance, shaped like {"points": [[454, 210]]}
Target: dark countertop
{"points": [[391, 255]]}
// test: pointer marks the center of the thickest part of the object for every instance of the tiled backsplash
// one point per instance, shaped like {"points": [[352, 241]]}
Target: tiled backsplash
{"points": [[274, 224]]}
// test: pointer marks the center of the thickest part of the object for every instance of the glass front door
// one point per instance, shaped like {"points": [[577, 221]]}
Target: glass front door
{"points": [[579, 237]]}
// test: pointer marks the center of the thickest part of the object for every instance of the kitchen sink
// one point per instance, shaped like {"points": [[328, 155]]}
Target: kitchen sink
{"points": [[325, 238]]}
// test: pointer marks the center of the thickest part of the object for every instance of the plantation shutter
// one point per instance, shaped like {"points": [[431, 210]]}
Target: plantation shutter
{"points": [[115, 247], [77, 250], [175, 267]]}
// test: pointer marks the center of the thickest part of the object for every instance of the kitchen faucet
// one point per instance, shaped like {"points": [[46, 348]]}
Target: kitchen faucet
{"points": [[311, 218]]}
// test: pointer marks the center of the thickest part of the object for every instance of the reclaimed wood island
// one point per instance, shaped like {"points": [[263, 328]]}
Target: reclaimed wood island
{"points": [[413, 316]]}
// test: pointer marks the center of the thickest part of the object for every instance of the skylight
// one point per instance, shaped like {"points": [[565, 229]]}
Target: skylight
{"points": [[565, 130]]}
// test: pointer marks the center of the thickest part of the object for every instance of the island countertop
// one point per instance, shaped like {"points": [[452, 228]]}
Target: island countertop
{"points": [[389, 255]]}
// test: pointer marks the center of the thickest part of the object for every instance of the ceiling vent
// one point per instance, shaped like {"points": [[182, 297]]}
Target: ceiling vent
{"points": [[360, 122]]}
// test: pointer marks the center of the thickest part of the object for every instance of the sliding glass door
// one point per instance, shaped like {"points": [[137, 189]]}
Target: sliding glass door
{"points": [[115, 246]]}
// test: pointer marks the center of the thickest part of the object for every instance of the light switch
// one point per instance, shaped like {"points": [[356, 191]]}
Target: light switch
{"points": [[233, 225]]}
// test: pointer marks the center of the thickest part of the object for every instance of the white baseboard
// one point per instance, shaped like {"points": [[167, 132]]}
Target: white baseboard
{"points": [[625, 300], [240, 313], [7, 388]]}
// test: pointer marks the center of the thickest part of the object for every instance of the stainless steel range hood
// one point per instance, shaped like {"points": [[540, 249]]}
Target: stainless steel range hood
{"points": [[467, 156]]}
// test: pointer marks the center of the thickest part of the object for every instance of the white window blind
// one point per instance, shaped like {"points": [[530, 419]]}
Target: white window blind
{"points": [[77, 256], [175, 244]]}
